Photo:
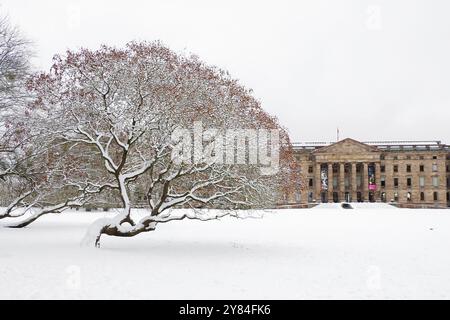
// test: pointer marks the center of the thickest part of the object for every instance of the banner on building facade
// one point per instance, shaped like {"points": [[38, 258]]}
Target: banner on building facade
{"points": [[372, 182], [324, 178]]}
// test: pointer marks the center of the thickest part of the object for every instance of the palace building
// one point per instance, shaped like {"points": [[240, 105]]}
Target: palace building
{"points": [[408, 173]]}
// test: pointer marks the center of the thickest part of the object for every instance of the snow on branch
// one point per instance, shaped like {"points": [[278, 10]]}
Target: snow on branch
{"points": [[118, 117]]}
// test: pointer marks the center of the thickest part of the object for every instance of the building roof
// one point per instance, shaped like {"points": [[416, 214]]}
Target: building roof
{"points": [[392, 145]]}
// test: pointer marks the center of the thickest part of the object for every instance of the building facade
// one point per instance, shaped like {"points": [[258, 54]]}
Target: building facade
{"points": [[409, 173]]}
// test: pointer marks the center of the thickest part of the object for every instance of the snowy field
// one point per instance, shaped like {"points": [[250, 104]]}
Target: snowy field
{"points": [[320, 253]]}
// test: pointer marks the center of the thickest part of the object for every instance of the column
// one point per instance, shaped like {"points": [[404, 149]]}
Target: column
{"points": [[377, 193], [354, 186], [341, 181], [365, 182], [317, 183], [389, 189], [330, 182]]}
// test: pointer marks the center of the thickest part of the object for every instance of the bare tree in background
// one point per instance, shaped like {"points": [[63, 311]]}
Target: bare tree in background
{"points": [[15, 140], [14, 70], [14, 64]]}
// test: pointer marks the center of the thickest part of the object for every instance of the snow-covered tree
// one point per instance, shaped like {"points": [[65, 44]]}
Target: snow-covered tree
{"points": [[125, 109]]}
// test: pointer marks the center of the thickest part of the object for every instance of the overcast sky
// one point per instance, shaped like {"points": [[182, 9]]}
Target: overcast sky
{"points": [[378, 70]]}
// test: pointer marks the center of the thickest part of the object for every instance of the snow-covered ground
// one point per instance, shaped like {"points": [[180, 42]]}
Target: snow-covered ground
{"points": [[357, 205], [289, 254]]}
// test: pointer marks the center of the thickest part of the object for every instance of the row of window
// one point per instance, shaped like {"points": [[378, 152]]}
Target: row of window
{"points": [[409, 196], [409, 183], [434, 182], [395, 168], [422, 196], [408, 168], [383, 157]]}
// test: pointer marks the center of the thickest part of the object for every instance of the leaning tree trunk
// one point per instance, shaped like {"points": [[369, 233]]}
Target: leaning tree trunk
{"points": [[58, 208], [115, 226], [112, 227], [27, 221]]}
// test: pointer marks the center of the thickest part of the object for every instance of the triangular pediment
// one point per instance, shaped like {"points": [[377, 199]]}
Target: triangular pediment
{"points": [[347, 146]]}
